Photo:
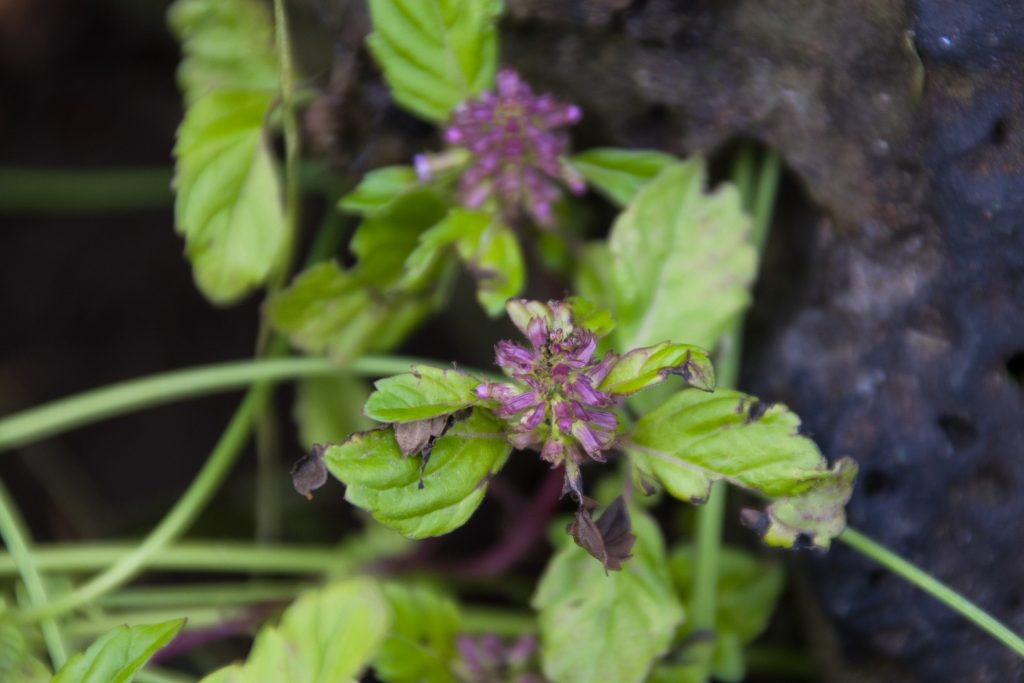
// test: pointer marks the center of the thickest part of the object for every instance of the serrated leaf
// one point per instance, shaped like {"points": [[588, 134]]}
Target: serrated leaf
{"points": [[681, 262], [327, 636], [420, 646], [228, 205], [641, 368], [598, 627], [378, 190], [330, 310], [620, 173], [435, 53], [747, 591], [378, 478], [422, 393], [696, 438], [118, 655], [226, 45], [812, 518], [328, 409]]}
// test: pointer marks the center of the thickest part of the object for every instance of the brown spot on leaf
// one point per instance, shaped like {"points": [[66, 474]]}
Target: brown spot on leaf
{"points": [[610, 539]]}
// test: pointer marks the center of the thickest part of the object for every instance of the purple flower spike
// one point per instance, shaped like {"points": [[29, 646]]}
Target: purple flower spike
{"points": [[517, 142], [562, 412]]}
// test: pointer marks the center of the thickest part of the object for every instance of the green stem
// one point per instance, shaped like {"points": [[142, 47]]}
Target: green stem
{"points": [[933, 587], [292, 142], [62, 192], [500, 622], [89, 628], [16, 538], [124, 397], [181, 516], [708, 542], [191, 595], [192, 556]]}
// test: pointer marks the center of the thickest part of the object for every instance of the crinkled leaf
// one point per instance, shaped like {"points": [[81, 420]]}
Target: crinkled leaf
{"points": [[226, 45], [609, 539], [435, 53], [812, 518], [420, 646], [487, 247], [422, 393], [228, 205], [327, 636], [378, 478], [696, 438], [681, 262], [378, 190], [329, 408], [309, 472], [330, 310], [640, 368], [747, 591], [620, 173], [118, 655], [598, 627]]}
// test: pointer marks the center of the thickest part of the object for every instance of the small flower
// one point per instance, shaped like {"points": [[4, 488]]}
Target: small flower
{"points": [[554, 404], [517, 144]]}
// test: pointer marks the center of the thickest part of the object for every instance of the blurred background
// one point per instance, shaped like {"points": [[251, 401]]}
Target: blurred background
{"points": [[888, 313]]}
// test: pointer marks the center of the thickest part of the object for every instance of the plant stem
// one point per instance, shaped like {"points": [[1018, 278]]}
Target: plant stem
{"points": [[933, 587], [203, 617], [193, 556], [16, 538], [710, 516], [292, 142], [124, 397], [62, 192], [205, 595], [497, 621], [181, 516]]}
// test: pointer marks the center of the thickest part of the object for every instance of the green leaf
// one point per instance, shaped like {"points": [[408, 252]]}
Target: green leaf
{"points": [[607, 627], [226, 45], [378, 190], [330, 310], [423, 393], [420, 646], [379, 479], [696, 438], [228, 205], [328, 409], [435, 53], [585, 313], [327, 636], [812, 518], [620, 173], [681, 262], [640, 368], [116, 656], [746, 594], [17, 662]]}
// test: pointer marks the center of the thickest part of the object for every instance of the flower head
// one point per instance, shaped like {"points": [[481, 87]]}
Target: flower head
{"points": [[516, 140], [554, 404]]}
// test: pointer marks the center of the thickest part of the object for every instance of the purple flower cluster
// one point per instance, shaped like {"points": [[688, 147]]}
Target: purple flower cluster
{"points": [[555, 405], [516, 140], [486, 659]]}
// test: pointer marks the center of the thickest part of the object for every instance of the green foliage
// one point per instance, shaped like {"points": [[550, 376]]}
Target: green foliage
{"points": [[641, 368], [378, 478], [607, 627], [228, 204], [328, 409], [487, 247], [747, 591], [118, 655], [435, 53], [328, 635], [678, 264], [17, 663], [697, 438], [378, 190], [420, 647], [226, 45], [620, 173], [422, 393], [814, 517]]}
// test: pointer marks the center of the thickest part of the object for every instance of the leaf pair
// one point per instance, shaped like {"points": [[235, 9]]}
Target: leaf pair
{"points": [[228, 204]]}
